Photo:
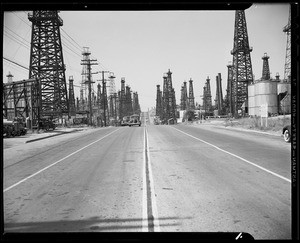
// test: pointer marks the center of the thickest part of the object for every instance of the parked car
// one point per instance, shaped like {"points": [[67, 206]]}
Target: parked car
{"points": [[13, 128], [286, 132]]}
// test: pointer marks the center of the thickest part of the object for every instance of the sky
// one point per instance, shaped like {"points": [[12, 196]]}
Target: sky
{"points": [[141, 46]]}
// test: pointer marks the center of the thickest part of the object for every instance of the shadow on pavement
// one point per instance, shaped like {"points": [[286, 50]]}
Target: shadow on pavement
{"points": [[92, 224]]}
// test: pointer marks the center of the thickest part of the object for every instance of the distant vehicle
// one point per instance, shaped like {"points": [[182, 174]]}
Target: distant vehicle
{"points": [[134, 120], [13, 128], [46, 124], [286, 132], [125, 121]]}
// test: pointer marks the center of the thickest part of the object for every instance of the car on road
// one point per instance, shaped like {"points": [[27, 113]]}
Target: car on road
{"points": [[125, 121], [286, 132], [134, 120]]}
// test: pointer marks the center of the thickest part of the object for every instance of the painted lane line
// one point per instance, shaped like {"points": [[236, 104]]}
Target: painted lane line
{"points": [[150, 216], [236, 156], [152, 192], [47, 167]]}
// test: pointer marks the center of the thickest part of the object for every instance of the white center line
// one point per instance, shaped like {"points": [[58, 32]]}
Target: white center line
{"points": [[150, 216], [234, 155], [47, 167]]}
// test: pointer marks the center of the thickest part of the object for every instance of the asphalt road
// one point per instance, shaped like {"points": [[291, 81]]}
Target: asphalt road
{"points": [[176, 178]]}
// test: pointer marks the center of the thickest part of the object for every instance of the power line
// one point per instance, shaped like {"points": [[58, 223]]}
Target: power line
{"points": [[15, 63]]}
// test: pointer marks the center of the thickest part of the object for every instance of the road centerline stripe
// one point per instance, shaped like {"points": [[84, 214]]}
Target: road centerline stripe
{"points": [[236, 156], [47, 167], [150, 215]]}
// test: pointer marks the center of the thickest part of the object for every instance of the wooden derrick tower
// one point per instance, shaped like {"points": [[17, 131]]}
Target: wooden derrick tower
{"points": [[47, 64], [266, 68], [191, 96], [241, 65], [158, 101], [72, 108]]}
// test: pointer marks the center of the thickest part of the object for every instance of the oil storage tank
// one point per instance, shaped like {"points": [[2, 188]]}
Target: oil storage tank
{"points": [[284, 97], [266, 93], [251, 100]]}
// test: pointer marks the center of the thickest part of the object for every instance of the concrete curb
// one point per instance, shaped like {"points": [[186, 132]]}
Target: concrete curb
{"points": [[248, 130], [50, 136]]}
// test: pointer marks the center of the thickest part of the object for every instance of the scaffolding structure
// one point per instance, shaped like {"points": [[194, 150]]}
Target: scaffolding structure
{"points": [[22, 99], [47, 64], [242, 67]]}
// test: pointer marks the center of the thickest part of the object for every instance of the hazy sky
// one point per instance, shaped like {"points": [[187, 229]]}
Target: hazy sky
{"points": [[142, 45]]}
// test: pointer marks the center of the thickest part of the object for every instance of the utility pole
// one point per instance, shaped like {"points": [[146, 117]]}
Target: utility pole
{"points": [[87, 78]]}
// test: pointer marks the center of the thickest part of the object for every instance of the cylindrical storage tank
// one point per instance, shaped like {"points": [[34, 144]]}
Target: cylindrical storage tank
{"points": [[284, 98], [266, 93], [251, 100], [283, 87]]}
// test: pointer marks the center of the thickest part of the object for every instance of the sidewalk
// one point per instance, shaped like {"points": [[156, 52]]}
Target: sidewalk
{"points": [[219, 124], [36, 136]]}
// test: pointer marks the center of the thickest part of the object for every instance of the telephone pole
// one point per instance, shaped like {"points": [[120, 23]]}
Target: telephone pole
{"points": [[87, 78]]}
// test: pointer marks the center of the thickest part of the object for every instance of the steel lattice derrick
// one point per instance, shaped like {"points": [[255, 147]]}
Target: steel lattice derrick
{"points": [[228, 100], [136, 104], [72, 109], [165, 103], [171, 97], [129, 110], [122, 100], [191, 98], [266, 69], [46, 62], [242, 67], [158, 101], [208, 95], [21, 99]]}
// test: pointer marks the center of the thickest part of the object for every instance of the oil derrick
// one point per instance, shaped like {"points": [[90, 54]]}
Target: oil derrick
{"points": [[158, 101], [191, 96], [122, 100], [184, 98], [165, 100], [104, 103], [207, 103], [135, 103], [228, 97], [9, 77], [219, 94], [72, 109], [169, 101], [47, 64], [242, 67], [287, 65], [266, 69], [111, 95], [128, 102]]}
